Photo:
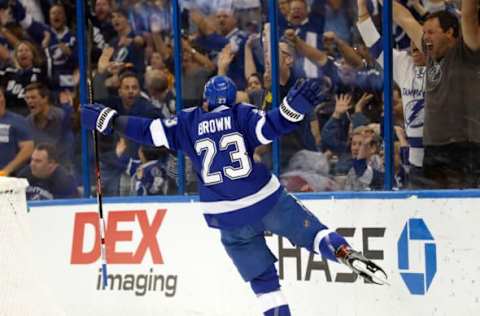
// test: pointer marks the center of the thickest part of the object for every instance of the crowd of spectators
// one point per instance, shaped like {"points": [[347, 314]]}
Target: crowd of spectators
{"points": [[131, 59]]}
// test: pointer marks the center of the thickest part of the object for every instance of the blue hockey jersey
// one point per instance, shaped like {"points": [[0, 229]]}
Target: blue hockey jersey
{"points": [[234, 189], [14, 80]]}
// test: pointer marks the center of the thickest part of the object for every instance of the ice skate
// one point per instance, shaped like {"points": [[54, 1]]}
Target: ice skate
{"points": [[361, 265]]}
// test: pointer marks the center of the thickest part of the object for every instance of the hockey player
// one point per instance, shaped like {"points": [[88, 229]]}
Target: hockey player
{"points": [[238, 195]]}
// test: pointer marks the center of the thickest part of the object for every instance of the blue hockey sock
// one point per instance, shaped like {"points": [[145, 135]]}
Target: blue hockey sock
{"points": [[266, 282], [327, 242]]}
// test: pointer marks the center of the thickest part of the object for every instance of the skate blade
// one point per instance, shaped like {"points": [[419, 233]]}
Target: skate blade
{"points": [[373, 272]]}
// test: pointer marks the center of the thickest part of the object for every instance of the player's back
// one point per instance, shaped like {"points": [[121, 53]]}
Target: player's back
{"points": [[233, 188]]}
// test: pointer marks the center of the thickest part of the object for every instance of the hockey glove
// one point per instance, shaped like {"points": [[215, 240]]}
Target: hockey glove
{"points": [[303, 97], [99, 117]]}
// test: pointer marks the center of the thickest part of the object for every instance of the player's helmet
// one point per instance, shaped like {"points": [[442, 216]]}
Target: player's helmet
{"points": [[219, 90]]}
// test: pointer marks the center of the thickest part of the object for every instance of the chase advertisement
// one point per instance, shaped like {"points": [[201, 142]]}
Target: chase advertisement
{"points": [[163, 259]]}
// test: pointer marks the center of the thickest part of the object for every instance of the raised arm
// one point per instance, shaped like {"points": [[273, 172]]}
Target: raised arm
{"points": [[373, 40], [159, 45], [205, 26], [417, 6], [9, 36], [198, 57], [35, 29], [368, 32], [408, 23], [347, 51], [4, 53], [304, 49], [470, 25], [250, 67], [225, 58], [334, 133], [363, 13]]}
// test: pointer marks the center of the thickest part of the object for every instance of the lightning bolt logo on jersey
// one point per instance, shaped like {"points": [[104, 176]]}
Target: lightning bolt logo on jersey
{"points": [[415, 110], [412, 85]]}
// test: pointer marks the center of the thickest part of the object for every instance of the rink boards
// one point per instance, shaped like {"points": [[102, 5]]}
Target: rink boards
{"points": [[164, 260]]}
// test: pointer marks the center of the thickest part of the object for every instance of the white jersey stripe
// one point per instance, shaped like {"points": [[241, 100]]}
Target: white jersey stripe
{"points": [[158, 134], [319, 237], [258, 130], [219, 207]]}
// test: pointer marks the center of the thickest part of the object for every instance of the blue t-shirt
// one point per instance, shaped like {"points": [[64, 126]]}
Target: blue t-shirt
{"points": [[13, 130], [56, 131], [59, 185]]}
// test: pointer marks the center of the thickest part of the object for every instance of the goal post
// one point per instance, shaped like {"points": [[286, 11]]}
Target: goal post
{"points": [[22, 291]]}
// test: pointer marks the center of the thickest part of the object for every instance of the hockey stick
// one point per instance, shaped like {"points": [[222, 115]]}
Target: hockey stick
{"points": [[98, 183]]}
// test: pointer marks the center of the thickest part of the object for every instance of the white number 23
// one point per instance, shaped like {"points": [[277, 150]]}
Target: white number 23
{"points": [[238, 154]]}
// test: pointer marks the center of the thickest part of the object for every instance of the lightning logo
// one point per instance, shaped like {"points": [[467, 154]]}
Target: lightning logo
{"points": [[415, 113]]}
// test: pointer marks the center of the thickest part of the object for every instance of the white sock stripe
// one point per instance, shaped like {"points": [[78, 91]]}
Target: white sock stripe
{"points": [[271, 300], [318, 238]]}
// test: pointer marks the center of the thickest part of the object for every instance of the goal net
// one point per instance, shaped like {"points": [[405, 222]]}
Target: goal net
{"points": [[21, 291]]}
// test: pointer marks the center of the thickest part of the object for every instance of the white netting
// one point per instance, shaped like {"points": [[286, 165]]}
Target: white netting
{"points": [[21, 291]]}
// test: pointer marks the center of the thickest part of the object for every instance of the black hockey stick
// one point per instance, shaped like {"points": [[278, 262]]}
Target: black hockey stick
{"points": [[98, 184], [98, 178]]}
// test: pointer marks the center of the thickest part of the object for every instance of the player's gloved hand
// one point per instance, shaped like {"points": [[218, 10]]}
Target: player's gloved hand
{"points": [[99, 117], [303, 97]]}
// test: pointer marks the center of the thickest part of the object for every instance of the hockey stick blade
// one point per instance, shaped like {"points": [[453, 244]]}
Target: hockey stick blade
{"points": [[371, 272]]}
